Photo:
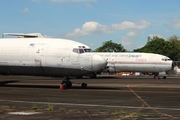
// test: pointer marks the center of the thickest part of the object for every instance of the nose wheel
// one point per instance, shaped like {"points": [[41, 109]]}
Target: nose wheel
{"points": [[67, 83]]}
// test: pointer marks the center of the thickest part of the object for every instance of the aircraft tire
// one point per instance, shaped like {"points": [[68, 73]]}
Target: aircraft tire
{"points": [[156, 77], [68, 84], [84, 85], [164, 77]]}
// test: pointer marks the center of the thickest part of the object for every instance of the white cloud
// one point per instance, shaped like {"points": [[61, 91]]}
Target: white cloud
{"points": [[25, 10], [89, 28], [73, 0], [93, 27], [126, 41], [176, 23], [131, 25], [131, 33], [154, 35], [158, 35]]}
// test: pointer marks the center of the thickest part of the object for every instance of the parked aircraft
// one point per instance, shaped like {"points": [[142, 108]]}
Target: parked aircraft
{"points": [[137, 62], [32, 54]]}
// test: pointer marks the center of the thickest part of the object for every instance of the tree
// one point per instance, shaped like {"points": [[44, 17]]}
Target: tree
{"points": [[176, 42], [109, 46], [158, 45]]}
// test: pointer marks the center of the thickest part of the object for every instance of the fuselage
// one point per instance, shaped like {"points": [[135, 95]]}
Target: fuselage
{"points": [[46, 57], [136, 62]]}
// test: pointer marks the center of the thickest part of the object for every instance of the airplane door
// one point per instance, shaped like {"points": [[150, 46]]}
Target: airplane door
{"points": [[39, 54]]}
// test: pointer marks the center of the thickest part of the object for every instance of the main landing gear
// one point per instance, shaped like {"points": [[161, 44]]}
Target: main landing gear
{"points": [[66, 84]]}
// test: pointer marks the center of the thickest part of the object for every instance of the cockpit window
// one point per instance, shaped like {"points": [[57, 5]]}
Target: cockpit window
{"points": [[87, 50], [81, 50], [75, 50], [166, 59]]}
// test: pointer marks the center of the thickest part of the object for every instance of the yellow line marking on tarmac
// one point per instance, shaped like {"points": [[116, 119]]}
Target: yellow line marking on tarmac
{"points": [[128, 86]]}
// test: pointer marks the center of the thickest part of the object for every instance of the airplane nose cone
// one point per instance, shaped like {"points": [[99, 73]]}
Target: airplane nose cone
{"points": [[98, 63]]}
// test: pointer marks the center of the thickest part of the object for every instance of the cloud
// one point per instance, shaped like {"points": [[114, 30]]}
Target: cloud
{"points": [[131, 25], [131, 33], [126, 41], [93, 27], [73, 0], [176, 23], [89, 28], [25, 10], [156, 35]]}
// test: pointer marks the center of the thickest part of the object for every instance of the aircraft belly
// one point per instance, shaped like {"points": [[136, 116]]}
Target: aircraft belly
{"points": [[40, 71], [135, 68]]}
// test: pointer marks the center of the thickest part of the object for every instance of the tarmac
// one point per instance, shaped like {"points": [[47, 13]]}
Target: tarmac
{"points": [[105, 98]]}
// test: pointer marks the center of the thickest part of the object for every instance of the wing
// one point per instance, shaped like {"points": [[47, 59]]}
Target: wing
{"points": [[22, 35]]}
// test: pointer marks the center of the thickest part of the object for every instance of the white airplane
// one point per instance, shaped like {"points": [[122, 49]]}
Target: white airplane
{"points": [[31, 54], [137, 62]]}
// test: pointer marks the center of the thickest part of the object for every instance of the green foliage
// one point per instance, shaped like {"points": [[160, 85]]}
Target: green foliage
{"points": [[109, 46], [34, 107], [50, 107], [170, 48]]}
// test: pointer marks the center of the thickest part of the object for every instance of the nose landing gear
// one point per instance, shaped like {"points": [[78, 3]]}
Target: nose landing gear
{"points": [[157, 75], [67, 83]]}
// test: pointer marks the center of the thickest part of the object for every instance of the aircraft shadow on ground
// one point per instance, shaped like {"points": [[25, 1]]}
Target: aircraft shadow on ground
{"points": [[7, 84], [2, 83]]}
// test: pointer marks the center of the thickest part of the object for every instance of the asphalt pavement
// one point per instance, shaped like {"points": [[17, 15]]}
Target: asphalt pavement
{"points": [[105, 98]]}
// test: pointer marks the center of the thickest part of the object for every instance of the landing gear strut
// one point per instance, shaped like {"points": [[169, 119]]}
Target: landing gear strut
{"points": [[67, 82], [157, 75]]}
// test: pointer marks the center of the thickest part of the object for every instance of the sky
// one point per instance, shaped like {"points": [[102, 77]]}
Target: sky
{"points": [[92, 22]]}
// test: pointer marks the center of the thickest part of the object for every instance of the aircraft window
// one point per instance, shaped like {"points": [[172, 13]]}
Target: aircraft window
{"points": [[75, 50], [81, 51], [166, 59], [87, 50]]}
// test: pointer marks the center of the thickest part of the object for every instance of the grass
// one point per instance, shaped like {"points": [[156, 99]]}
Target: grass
{"points": [[50, 107], [34, 107]]}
